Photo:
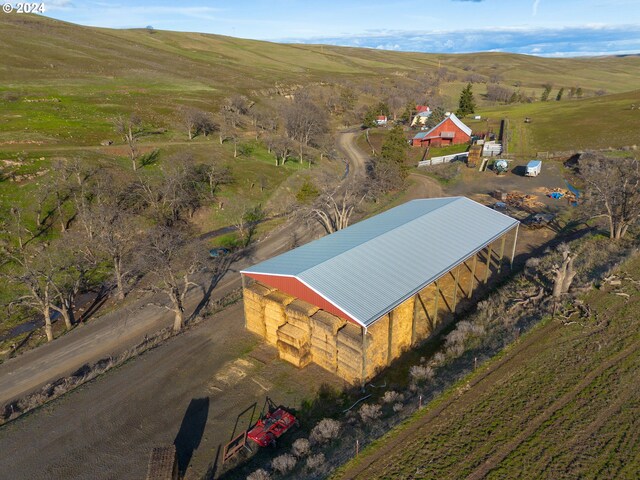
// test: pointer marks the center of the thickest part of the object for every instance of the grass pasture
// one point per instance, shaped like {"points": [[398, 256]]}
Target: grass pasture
{"points": [[560, 403], [590, 123]]}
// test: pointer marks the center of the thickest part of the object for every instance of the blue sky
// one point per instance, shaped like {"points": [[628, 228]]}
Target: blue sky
{"points": [[539, 27]]}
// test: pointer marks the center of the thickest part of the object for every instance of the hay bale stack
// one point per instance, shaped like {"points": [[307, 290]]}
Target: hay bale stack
{"points": [[378, 344], [324, 348], [298, 313], [253, 299], [325, 326], [300, 357], [401, 327], [293, 345], [294, 336], [349, 343], [274, 314], [425, 321]]}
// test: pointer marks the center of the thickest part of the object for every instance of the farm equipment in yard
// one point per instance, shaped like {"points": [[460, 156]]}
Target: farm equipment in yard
{"points": [[274, 422], [271, 427]]}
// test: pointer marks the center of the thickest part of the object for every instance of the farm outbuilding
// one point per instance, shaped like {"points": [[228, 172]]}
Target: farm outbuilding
{"points": [[355, 300], [450, 131]]}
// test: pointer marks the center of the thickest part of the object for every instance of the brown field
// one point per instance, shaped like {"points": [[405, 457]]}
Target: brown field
{"points": [[562, 403]]}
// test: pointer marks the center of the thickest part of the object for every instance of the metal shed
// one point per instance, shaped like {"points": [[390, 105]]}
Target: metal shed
{"points": [[364, 273]]}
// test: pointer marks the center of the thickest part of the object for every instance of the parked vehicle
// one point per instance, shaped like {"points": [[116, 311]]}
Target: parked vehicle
{"points": [[533, 168], [218, 252]]}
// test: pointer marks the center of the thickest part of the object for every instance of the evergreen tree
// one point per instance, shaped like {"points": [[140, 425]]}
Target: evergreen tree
{"points": [[547, 90], [579, 92], [437, 115], [394, 148], [559, 96], [369, 120], [467, 105]]}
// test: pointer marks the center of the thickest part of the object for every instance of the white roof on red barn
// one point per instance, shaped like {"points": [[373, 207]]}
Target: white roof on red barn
{"points": [[369, 268], [451, 117]]}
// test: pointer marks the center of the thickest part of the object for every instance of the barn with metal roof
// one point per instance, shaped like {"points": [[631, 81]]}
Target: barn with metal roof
{"points": [[354, 300], [450, 131]]}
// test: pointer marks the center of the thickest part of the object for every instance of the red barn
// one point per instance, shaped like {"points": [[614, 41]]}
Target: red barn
{"points": [[450, 131]]}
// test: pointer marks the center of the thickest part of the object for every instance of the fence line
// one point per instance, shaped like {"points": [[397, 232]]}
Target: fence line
{"points": [[445, 159]]}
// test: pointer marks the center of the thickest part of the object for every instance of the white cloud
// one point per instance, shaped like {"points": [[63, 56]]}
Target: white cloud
{"points": [[569, 41]]}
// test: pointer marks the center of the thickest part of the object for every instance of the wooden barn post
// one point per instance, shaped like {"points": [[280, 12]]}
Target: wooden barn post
{"points": [[364, 356], [390, 337], [435, 304], [455, 290], [513, 251], [415, 318], [504, 238], [489, 254], [472, 283]]}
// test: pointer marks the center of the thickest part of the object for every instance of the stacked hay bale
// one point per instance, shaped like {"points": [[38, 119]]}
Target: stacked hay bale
{"points": [[349, 343], [253, 297], [293, 345], [379, 345], [425, 320], [401, 328], [324, 331], [298, 313], [350, 364], [274, 314], [294, 337]]}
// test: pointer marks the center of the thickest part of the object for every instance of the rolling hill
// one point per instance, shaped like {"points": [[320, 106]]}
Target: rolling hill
{"points": [[60, 83]]}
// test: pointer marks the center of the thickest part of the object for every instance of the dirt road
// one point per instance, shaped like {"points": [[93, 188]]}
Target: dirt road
{"points": [[188, 391]]}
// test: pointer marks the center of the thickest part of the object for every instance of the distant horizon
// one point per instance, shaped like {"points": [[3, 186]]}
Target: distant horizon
{"points": [[563, 28]]}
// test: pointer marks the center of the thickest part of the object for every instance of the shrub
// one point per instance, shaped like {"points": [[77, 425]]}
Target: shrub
{"points": [[315, 461], [369, 412], [326, 430], [229, 241], [438, 359], [445, 172], [392, 397], [259, 474], [421, 373], [301, 447], [284, 463], [397, 407]]}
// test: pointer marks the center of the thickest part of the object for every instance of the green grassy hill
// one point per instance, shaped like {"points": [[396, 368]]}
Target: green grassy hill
{"points": [[61, 83]]}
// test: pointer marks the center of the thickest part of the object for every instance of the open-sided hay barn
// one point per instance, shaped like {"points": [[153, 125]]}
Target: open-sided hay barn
{"points": [[355, 300]]}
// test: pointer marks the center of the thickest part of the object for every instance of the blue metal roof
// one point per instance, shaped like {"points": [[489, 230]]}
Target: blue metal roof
{"points": [[369, 268]]}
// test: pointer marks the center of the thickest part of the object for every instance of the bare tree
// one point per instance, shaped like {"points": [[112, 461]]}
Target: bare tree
{"points": [[72, 267], [612, 189], [115, 231], [24, 267], [172, 264], [196, 121], [214, 174], [304, 122], [246, 218], [61, 192], [177, 193], [190, 117], [130, 129], [282, 147], [334, 208], [563, 273]]}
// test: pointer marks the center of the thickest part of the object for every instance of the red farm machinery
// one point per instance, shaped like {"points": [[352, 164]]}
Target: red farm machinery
{"points": [[274, 421]]}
